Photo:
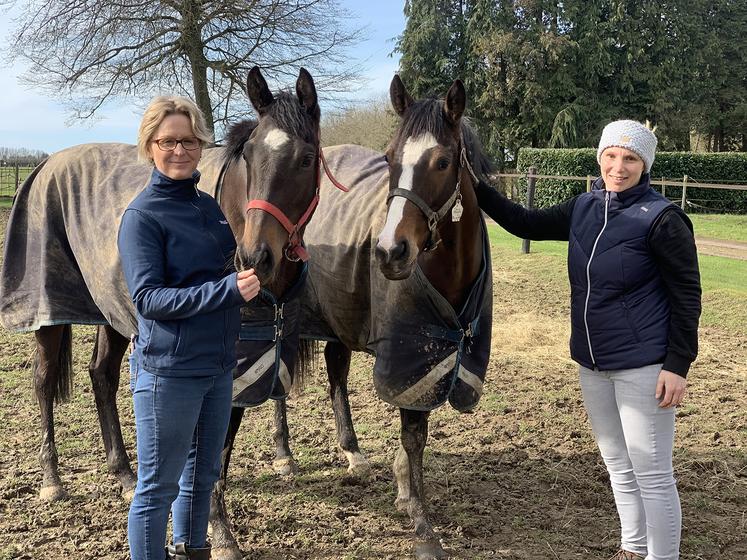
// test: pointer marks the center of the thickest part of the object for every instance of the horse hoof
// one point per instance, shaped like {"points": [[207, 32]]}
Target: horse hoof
{"points": [[226, 553], [52, 493], [357, 464], [429, 550], [402, 504], [284, 467]]}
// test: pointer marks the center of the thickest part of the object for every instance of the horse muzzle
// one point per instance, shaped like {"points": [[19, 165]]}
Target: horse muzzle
{"points": [[260, 258], [396, 262]]}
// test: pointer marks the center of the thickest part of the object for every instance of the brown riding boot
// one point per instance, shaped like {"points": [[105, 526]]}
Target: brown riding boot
{"points": [[626, 555], [182, 552]]}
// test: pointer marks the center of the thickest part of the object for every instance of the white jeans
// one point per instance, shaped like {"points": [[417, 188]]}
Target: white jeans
{"points": [[635, 438]]}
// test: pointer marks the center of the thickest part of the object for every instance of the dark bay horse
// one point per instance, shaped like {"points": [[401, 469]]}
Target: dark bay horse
{"points": [[61, 265], [399, 268]]}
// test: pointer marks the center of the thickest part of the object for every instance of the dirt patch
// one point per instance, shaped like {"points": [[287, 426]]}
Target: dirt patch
{"points": [[520, 478], [722, 248]]}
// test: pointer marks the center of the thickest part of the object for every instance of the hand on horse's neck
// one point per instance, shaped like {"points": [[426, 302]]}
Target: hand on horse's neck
{"points": [[453, 266]]}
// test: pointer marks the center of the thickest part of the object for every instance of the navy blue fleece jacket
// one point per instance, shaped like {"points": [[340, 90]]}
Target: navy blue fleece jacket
{"points": [[176, 249]]}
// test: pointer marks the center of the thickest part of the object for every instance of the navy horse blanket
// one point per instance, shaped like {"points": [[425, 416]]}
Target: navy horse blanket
{"points": [[426, 352]]}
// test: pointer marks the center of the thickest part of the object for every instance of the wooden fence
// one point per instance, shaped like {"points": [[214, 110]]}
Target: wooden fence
{"points": [[532, 176], [11, 176]]}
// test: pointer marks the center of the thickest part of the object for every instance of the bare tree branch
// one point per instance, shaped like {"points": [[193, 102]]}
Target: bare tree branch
{"points": [[86, 52]]}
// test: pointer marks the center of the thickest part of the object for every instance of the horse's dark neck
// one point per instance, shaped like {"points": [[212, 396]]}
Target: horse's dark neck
{"points": [[453, 266], [286, 277]]}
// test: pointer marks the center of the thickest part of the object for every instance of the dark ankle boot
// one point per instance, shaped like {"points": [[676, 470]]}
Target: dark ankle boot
{"points": [[182, 552]]}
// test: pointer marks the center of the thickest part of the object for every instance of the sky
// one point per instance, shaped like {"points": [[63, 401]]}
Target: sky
{"points": [[29, 120]]}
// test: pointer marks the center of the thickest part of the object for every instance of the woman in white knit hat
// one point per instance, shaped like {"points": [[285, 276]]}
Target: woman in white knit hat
{"points": [[635, 306]]}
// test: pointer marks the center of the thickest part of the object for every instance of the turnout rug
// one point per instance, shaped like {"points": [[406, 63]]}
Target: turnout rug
{"points": [[426, 351]]}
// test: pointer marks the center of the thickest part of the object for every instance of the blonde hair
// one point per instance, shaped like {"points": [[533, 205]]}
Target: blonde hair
{"points": [[160, 108]]}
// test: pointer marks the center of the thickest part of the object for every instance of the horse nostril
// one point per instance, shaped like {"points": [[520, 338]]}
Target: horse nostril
{"points": [[399, 251], [382, 255]]}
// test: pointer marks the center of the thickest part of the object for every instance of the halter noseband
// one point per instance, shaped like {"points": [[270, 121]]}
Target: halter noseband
{"points": [[433, 217], [295, 251]]}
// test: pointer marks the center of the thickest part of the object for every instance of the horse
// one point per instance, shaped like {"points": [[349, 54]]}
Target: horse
{"points": [[400, 268], [61, 265]]}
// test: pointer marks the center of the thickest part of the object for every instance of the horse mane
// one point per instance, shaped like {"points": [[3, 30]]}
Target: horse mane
{"points": [[236, 137], [287, 113]]}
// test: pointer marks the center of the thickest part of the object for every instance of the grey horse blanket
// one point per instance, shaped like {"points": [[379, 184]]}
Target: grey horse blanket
{"points": [[61, 264], [426, 351]]}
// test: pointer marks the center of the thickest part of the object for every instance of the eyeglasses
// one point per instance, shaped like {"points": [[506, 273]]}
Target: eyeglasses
{"points": [[169, 144]]}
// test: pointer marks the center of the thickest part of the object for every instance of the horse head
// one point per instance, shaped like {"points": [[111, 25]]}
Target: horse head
{"points": [[281, 159], [425, 164]]}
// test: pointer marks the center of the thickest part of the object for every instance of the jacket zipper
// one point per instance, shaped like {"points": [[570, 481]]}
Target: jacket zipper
{"points": [[203, 221], [588, 277]]}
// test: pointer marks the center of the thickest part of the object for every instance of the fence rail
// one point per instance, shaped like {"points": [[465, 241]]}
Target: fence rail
{"points": [[11, 177]]}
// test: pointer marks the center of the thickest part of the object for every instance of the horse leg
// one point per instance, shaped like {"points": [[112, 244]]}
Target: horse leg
{"points": [[408, 470], [104, 370], [337, 356], [224, 543], [284, 463], [53, 373]]}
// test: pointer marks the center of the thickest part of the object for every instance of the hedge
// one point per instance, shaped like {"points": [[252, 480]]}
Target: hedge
{"points": [[723, 167]]}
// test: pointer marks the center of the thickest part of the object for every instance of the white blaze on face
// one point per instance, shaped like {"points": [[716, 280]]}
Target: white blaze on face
{"points": [[414, 149], [276, 138]]}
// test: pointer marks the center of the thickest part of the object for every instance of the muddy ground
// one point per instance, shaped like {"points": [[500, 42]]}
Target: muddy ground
{"points": [[519, 478]]}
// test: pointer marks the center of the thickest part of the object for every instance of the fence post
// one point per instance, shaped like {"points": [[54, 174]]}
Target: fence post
{"points": [[531, 185], [14, 192], [684, 192], [663, 188], [588, 183]]}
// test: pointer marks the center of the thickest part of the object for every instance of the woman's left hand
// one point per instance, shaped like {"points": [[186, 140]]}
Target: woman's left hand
{"points": [[670, 389]]}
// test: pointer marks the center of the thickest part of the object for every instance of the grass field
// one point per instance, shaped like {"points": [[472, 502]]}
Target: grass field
{"points": [[732, 227], [518, 479]]}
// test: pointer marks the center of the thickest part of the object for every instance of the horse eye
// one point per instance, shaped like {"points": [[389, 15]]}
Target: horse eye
{"points": [[308, 159], [386, 158], [443, 163]]}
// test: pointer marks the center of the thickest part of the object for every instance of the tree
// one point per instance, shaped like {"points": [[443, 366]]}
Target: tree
{"points": [[372, 124], [88, 51], [432, 46]]}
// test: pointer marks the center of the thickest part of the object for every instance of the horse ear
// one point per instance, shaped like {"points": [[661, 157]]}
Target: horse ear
{"points": [[306, 92], [259, 94], [401, 100], [456, 101]]}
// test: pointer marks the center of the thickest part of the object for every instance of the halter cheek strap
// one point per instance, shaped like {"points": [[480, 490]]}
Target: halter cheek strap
{"points": [[294, 250]]}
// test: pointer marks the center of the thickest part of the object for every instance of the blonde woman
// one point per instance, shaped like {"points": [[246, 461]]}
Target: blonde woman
{"points": [[635, 305], [175, 245]]}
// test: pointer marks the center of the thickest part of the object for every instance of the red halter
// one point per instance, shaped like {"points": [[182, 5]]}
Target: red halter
{"points": [[295, 250]]}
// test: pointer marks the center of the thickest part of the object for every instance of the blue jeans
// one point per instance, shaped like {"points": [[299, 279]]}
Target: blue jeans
{"points": [[181, 425], [635, 437]]}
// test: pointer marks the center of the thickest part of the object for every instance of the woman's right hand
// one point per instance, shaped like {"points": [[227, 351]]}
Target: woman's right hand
{"points": [[248, 284]]}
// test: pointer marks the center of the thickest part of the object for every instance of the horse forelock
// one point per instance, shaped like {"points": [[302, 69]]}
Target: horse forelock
{"points": [[427, 116], [292, 117]]}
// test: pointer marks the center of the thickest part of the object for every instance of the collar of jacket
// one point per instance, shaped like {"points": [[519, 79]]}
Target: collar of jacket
{"points": [[626, 197], [174, 188]]}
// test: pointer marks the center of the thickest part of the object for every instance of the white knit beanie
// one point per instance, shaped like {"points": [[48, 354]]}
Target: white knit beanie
{"points": [[632, 135]]}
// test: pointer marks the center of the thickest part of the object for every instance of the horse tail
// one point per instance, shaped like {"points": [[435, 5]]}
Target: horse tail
{"points": [[64, 387], [306, 361]]}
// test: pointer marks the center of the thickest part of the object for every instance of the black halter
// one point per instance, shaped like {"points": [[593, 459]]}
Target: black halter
{"points": [[433, 217]]}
